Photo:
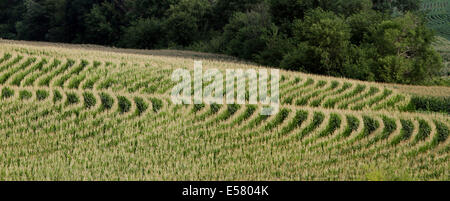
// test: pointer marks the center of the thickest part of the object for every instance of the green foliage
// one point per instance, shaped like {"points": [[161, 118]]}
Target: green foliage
{"points": [[57, 96], [35, 20], [424, 131], [74, 71], [442, 133], [429, 103], [103, 23], [318, 118], [333, 124], [89, 100], [145, 34], [187, 21], [106, 83], [46, 80], [389, 127], [18, 78], [72, 98], [107, 101], [352, 125], [89, 84], [299, 118], [141, 105], [214, 108], [322, 40], [124, 104], [405, 132], [370, 125], [8, 74], [157, 104], [374, 173], [279, 118], [198, 107], [330, 103], [397, 41], [5, 57], [42, 95], [374, 40], [248, 112], [245, 35], [25, 95], [7, 92]]}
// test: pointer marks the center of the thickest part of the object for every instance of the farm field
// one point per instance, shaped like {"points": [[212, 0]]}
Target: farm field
{"points": [[77, 113], [438, 16]]}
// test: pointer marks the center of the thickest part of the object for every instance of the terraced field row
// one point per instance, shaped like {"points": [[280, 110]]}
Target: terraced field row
{"points": [[438, 16], [297, 139], [71, 74]]}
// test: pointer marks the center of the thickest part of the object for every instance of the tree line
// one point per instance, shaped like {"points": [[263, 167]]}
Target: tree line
{"points": [[374, 40]]}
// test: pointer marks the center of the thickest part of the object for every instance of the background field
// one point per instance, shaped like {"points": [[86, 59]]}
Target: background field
{"points": [[438, 15], [85, 113]]}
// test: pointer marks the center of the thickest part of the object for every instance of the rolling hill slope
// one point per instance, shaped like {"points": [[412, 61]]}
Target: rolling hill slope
{"points": [[438, 15], [70, 112]]}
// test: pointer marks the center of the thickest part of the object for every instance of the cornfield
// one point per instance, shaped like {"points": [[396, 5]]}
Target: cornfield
{"points": [[438, 16], [74, 113]]}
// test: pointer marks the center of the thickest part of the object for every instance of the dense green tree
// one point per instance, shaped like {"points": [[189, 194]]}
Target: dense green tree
{"points": [[225, 9], [188, 21], [323, 41], [245, 35], [148, 8], [362, 25], [350, 7], [11, 13], [57, 24], [28, 29], [404, 50], [145, 34], [103, 23], [400, 5]]}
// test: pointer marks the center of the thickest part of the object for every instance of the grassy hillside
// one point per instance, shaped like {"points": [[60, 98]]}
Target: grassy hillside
{"points": [[84, 113], [438, 16]]}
